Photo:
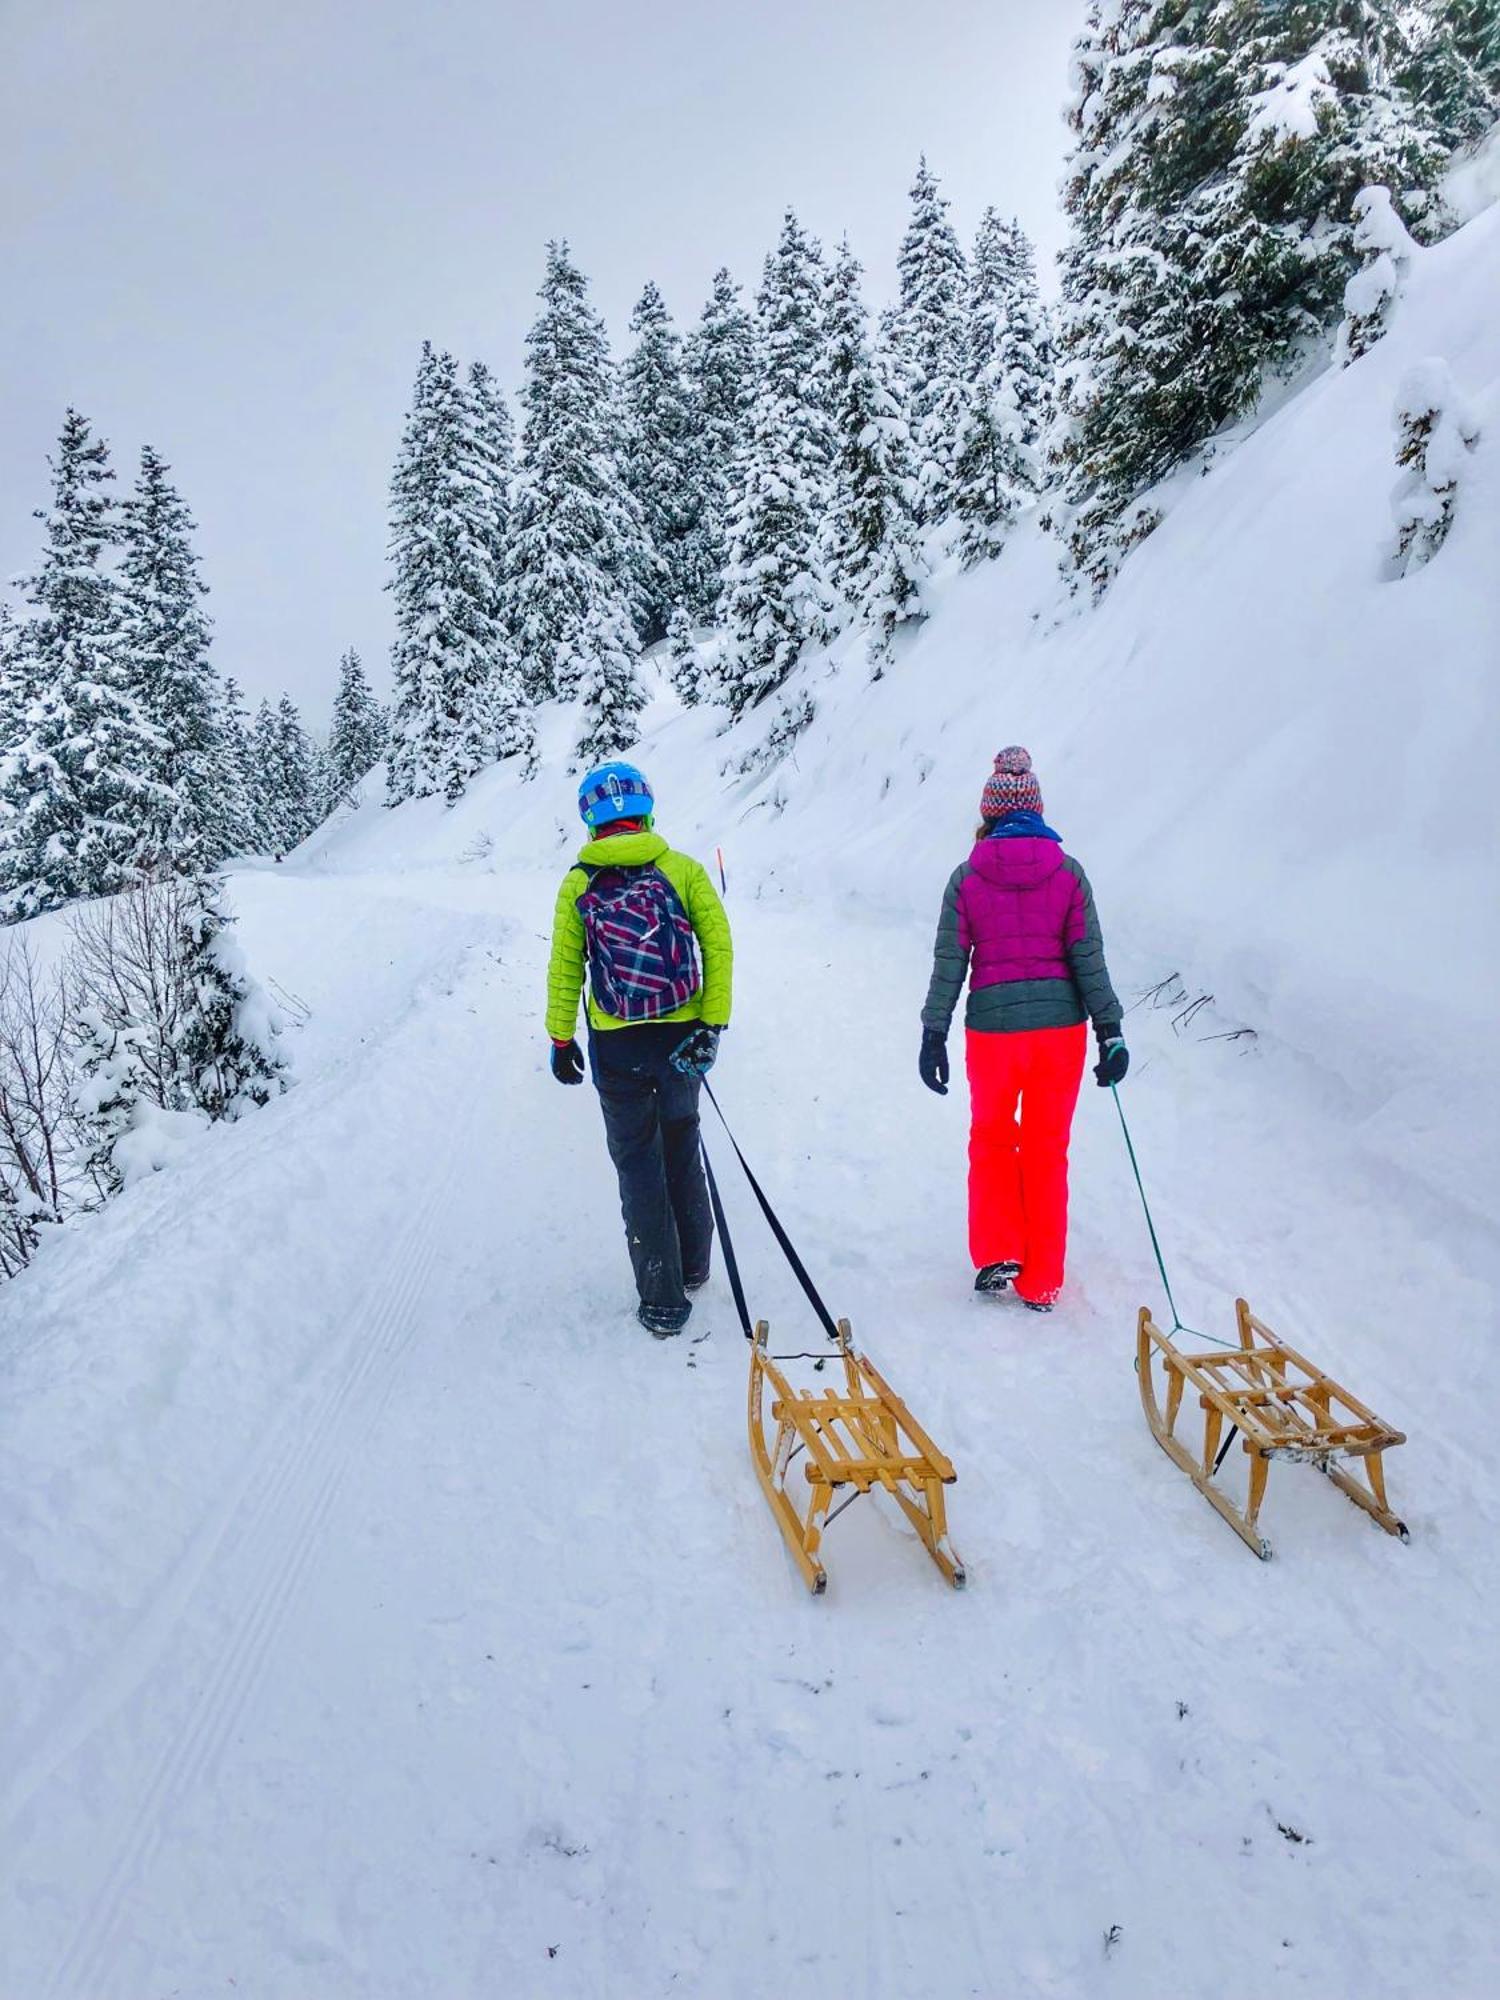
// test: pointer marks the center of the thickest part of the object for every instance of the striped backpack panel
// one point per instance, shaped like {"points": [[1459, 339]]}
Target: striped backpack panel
{"points": [[643, 956]]}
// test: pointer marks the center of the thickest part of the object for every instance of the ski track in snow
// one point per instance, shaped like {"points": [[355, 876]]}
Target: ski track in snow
{"points": [[255, 1494], [483, 1672], [268, 1545]]}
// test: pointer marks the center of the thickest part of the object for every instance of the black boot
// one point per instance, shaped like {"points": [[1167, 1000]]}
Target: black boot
{"points": [[663, 1321], [995, 1278]]}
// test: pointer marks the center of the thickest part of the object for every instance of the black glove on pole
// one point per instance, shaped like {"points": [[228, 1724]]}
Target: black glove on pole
{"points": [[1114, 1057], [696, 1053], [932, 1064], [567, 1062]]}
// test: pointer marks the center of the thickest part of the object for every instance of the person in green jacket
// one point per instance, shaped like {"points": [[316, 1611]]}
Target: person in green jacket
{"points": [[647, 925]]}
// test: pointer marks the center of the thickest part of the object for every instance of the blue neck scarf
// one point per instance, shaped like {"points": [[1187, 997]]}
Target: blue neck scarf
{"points": [[1022, 825]]}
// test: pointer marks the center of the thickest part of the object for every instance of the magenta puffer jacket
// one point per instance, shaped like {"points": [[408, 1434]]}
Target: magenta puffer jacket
{"points": [[1018, 921]]}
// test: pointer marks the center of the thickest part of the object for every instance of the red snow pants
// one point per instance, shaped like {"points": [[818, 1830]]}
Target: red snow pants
{"points": [[1023, 1090]]}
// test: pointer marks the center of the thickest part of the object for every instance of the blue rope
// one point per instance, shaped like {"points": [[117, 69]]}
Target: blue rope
{"points": [[1179, 1325]]}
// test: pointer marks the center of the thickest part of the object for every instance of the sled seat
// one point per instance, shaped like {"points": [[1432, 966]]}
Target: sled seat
{"points": [[1281, 1406], [857, 1440]]}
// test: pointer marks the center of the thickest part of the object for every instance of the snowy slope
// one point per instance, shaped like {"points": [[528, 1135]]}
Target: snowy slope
{"points": [[386, 1617], [1281, 765]]}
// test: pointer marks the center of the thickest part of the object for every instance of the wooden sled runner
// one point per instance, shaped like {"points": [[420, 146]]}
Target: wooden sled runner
{"points": [[861, 1437], [1282, 1407]]}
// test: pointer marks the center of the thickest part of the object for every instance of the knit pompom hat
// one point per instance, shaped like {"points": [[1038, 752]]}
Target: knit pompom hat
{"points": [[1012, 785]]}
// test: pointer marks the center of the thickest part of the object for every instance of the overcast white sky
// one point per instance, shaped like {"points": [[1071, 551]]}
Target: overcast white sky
{"points": [[227, 225]]}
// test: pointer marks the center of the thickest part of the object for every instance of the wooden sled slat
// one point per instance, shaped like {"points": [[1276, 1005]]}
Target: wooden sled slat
{"points": [[860, 1439], [1281, 1405]]}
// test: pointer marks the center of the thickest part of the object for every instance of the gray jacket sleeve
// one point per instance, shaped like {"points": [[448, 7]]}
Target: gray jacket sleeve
{"points": [[950, 960], [1086, 963]]}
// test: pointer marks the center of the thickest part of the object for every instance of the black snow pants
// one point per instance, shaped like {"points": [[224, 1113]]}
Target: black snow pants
{"points": [[651, 1125]]}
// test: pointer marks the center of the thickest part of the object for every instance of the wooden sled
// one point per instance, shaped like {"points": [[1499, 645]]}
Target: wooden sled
{"points": [[1281, 1406], [861, 1438]]}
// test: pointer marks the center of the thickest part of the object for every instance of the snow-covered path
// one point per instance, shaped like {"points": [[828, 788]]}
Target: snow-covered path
{"points": [[386, 1616]]}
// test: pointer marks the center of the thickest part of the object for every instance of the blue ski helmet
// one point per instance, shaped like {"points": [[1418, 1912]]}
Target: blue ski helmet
{"points": [[614, 791]]}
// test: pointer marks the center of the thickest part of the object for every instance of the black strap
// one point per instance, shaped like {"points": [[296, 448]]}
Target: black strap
{"points": [[593, 868], [788, 1248], [726, 1244]]}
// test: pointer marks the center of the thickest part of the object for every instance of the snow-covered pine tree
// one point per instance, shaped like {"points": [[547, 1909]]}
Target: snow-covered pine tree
{"points": [[237, 828], [999, 467], [1218, 151], [869, 547], [610, 695], [688, 676], [493, 444], [927, 333], [228, 1040], [408, 774], [164, 650], [510, 724], [298, 785], [1123, 290], [1324, 115], [268, 811], [1436, 430], [79, 780], [1453, 67], [1476, 31], [356, 735], [286, 780], [446, 592], [1385, 243], [663, 467], [775, 603], [16, 690], [575, 530], [719, 357]]}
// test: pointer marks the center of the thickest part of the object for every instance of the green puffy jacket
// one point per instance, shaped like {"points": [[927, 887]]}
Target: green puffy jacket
{"points": [[705, 913]]}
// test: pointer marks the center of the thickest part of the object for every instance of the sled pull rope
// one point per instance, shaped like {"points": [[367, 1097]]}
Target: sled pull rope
{"points": [[732, 1268], [788, 1248], [726, 1244], [1178, 1323]]}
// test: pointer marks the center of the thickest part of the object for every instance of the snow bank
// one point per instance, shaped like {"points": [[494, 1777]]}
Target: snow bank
{"points": [[1474, 184]]}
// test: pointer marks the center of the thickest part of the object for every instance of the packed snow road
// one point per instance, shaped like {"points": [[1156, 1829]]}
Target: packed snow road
{"points": [[386, 1615]]}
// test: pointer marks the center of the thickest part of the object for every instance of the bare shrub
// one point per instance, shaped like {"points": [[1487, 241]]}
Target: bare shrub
{"points": [[126, 970], [151, 1023], [39, 1177]]}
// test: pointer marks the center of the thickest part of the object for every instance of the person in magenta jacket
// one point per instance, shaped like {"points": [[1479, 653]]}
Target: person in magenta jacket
{"points": [[1018, 923]]}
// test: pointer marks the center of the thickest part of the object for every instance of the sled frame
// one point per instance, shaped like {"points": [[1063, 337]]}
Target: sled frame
{"points": [[855, 1440], [1281, 1405]]}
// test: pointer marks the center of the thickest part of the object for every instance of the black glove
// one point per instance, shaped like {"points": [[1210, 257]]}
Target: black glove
{"points": [[694, 1055], [1114, 1057], [932, 1064], [567, 1062]]}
